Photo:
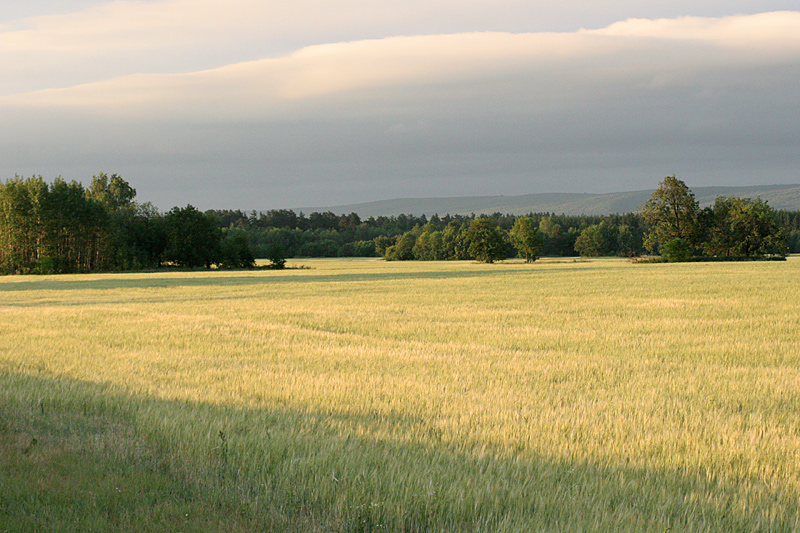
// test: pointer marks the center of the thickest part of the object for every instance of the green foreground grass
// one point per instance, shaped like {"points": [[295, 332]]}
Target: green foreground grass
{"points": [[365, 396]]}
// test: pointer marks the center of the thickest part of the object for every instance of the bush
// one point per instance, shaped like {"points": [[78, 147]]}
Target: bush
{"points": [[45, 265], [676, 251], [277, 257], [236, 252]]}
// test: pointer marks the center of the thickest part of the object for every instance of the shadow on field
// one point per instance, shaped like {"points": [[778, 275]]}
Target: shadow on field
{"points": [[223, 279], [295, 470]]}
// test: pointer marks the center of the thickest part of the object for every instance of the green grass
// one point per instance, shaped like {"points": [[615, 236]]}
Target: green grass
{"points": [[71, 470], [364, 395]]}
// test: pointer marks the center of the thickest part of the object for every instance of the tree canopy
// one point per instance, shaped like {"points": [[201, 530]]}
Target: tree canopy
{"points": [[526, 239], [60, 227], [742, 227], [63, 227], [671, 213], [732, 227], [487, 241], [48, 228], [193, 238]]}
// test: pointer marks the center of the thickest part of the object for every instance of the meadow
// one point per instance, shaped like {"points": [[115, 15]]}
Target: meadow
{"points": [[361, 395]]}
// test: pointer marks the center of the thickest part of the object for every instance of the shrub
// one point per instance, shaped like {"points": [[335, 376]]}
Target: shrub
{"points": [[676, 251], [277, 257]]}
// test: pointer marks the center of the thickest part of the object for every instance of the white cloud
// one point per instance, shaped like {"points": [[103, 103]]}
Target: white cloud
{"points": [[771, 31], [647, 54], [114, 38], [422, 112]]}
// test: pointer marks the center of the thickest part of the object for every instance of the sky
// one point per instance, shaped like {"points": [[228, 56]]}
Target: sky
{"points": [[264, 104]]}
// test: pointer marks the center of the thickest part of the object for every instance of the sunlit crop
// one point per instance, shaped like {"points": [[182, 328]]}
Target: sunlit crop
{"points": [[365, 395]]}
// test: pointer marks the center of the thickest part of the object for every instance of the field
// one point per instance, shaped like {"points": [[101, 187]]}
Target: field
{"points": [[362, 395]]}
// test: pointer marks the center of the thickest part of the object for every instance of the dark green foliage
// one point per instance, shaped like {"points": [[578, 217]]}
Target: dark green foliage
{"points": [[193, 238], [326, 220], [403, 249], [454, 240], [597, 240], [382, 242], [277, 257], [262, 239], [671, 213], [430, 245], [235, 251], [789, 222], [323, 244], [50, 228], [556, 240], [358, 249], [139, 238], [732, 227], [742, 227], [676, 250], [75, 228], [526, 238], [793, 241], [62, 227], [487, 240], [46, 265], [629, 243]]}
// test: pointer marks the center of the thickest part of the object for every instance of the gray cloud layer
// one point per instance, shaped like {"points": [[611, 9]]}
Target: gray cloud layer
{"points": [[711, 99]]}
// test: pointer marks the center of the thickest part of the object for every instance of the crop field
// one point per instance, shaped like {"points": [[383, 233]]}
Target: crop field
{"points": [[361, 395]]}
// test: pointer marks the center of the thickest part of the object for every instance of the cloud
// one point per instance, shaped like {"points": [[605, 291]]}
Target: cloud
{"points": [[423, 115], [550, 66], [776, 30], [112, 38]]}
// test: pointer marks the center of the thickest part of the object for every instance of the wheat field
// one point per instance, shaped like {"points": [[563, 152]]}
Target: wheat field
{"points": [[361, 395]]}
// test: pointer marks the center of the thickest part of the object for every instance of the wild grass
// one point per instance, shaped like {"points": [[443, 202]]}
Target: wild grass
{"points": [[364, 395]]}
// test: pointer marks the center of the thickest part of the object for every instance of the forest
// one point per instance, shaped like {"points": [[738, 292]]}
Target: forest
{"points": [[63, 227]]}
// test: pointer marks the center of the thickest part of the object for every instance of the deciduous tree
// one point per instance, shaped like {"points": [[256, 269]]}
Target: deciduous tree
{"points": [[193, 238], [526, 238], [742, 227], [487, 241], [671, 213], [235, 251]]}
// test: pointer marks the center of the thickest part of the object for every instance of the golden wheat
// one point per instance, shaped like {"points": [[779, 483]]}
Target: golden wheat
{"points": [[437, 396]]}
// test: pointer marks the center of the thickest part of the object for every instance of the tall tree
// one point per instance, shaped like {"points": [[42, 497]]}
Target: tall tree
{"points": [[193, 238], [742, 227], [76, 229], [598, 240], [526, 238], [235, 251], [671, 213], [403, 249], [120, 248], [22, 230], [591, 242], [487, 241], [454, 240], [112, 191], [629, 242]]}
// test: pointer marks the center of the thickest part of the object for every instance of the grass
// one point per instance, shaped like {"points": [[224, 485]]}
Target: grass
{"points": [[72, 470], [362, 395]]}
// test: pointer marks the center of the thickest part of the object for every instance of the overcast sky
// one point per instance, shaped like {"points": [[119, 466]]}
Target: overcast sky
{"points": [[260, 104]]}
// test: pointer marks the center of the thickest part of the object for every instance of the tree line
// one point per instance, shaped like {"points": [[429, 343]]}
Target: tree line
{"points": [[66, 227], [671, 224], [732, 228], [330, 235], [62, 227]]}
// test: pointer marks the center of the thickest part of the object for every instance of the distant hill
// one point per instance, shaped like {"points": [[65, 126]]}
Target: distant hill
{"points": [[778, 196]]}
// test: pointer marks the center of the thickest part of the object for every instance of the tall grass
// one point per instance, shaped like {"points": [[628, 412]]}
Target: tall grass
{"points": [[364, 395]]}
